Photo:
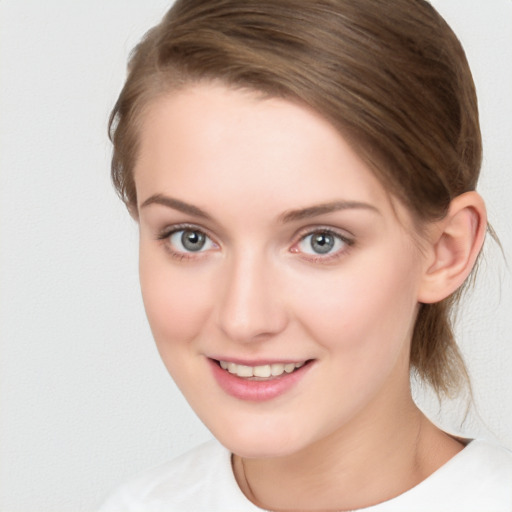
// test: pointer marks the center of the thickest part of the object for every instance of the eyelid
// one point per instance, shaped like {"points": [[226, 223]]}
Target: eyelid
{"points": [[173, 228], [344, 234]]}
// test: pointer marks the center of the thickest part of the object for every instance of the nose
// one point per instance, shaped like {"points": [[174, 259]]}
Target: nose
{"points": [[251, 304]]}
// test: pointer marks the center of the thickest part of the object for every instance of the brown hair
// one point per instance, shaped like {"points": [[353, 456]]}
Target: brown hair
{"points": [[389, 74]]}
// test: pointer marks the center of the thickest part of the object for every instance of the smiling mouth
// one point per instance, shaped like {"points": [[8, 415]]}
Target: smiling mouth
{"points": [[261, 372]]}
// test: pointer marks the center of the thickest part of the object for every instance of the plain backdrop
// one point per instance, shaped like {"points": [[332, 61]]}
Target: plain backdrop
{"points": [[84, 400]]}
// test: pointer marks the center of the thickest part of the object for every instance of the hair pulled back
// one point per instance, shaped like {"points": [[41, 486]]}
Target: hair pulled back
{"points": [[389, 74]]}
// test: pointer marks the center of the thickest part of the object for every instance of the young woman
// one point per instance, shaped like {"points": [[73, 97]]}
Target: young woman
{"points": [[303, 174]]}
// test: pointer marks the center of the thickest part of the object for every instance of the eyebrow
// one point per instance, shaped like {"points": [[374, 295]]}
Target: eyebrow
{"points": [[322, 209], [286, 217], [176, 204]]}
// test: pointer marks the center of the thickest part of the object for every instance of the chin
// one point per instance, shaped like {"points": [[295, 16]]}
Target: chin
{"points": [[259, 448], [260, 440]]}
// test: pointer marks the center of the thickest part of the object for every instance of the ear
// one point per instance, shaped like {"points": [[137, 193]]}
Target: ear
{"points": [[454, 244]]}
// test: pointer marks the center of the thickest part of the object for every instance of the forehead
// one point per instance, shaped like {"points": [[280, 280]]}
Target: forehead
{"points": [[209, 143]]}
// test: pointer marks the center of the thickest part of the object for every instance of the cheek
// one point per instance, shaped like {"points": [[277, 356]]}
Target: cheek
{"points": [[176, 302], [363, 310]]}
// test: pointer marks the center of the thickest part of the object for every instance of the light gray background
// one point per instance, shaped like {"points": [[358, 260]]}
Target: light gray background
{"points": [[84, 399]]}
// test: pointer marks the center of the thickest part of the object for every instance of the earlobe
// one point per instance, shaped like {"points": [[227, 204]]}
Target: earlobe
{"points": [[455, 247]]}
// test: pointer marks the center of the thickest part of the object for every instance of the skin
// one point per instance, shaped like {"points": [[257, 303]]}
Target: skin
{"points": [[348, 434]]}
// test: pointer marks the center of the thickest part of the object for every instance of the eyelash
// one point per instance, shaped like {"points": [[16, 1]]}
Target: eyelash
{"points": [[164, 237]]}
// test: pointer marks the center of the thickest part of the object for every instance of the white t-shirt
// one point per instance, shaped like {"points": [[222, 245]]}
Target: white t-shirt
{"points": [[477, 479]]}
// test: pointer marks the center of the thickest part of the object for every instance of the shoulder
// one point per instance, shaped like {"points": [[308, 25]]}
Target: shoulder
{"points": [[201, 479], [487, 464], [478, 479]]}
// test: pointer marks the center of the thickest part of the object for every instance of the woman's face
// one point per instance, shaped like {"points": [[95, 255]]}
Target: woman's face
{"points": [[280, 281]]}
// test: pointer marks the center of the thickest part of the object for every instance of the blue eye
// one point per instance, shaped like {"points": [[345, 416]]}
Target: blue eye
{"points": [[190, 240], [321, 243]]}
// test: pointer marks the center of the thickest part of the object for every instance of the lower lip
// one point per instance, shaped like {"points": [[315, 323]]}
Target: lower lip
{"points": [[257, 390]]}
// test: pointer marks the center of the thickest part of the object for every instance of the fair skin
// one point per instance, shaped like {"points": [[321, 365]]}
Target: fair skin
{"points": [[265, 240]]}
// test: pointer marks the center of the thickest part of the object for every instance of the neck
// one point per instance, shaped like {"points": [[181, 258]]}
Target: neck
{"points": [[360, 465]]}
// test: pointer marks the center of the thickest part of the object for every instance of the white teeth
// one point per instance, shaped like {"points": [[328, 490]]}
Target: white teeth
{"points": [[288, 368], [263, 371], [277, 369], [244, 371]]}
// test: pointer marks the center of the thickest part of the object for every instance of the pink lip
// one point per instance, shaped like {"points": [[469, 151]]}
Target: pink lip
{"points": [[256, 390]]}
